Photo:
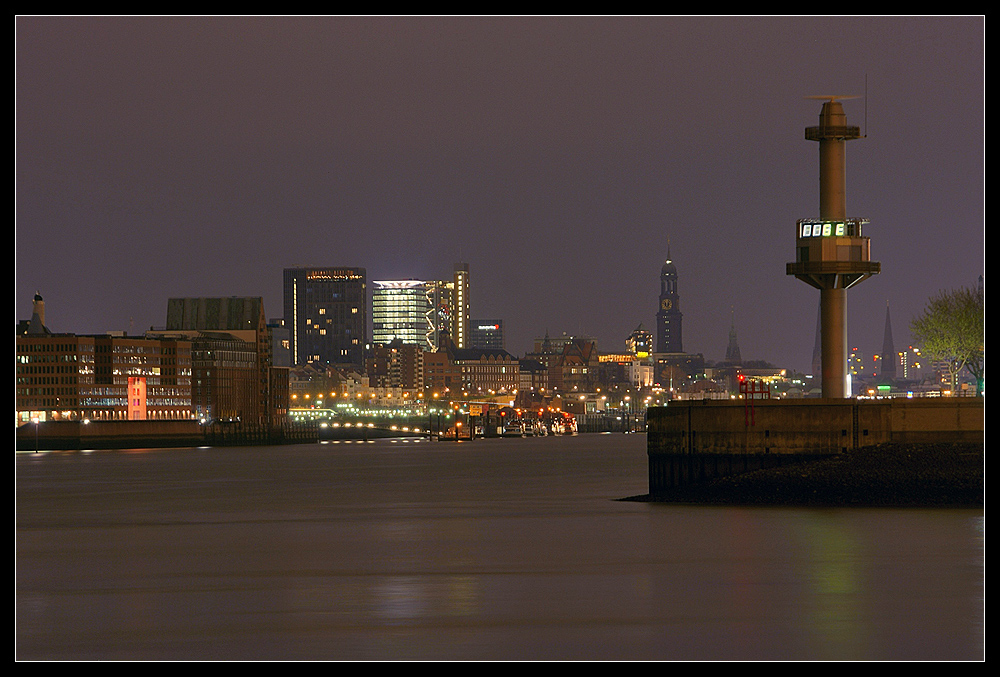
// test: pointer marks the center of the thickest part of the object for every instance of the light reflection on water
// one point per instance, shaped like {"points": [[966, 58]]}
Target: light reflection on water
{"points": [[502, 549]]}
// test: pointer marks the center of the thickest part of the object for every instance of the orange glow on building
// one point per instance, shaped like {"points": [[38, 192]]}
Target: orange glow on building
{"points": [[136, 398]]}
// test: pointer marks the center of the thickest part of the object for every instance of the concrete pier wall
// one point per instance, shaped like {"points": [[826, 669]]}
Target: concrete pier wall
{"points": [[698, 440]]}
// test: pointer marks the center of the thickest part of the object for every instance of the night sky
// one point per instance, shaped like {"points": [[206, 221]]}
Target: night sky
{"points": [[172, 157]]}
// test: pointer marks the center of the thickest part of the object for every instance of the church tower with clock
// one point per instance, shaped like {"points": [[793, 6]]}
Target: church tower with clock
{"points": [[668, 317]]}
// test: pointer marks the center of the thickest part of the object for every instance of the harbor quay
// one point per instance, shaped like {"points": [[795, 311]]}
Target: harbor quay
{"points": [[697, 441]]}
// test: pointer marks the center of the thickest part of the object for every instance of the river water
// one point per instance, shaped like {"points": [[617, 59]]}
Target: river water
{"points": [[495, 549]]}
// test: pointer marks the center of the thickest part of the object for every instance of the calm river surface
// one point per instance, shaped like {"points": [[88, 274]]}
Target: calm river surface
{"points": [[497, 549]]}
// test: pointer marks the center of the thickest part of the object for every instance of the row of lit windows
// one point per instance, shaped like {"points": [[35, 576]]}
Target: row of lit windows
{"points": [[98, 414], [138, 359], [53, 369], [64, 396], [46, 380], [35, 347], [28, 359], [28, 392]]}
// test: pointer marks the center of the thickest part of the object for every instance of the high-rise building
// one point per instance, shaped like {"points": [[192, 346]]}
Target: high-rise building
{"points": [[325, 312], [415, 312], [668, 318], [460, 308], [486, 334], [911, 363]]}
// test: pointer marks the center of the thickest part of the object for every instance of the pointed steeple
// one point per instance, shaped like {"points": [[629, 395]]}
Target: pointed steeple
{"points": [[888, 349], [733, 350], [546, 343], [669, 316]]}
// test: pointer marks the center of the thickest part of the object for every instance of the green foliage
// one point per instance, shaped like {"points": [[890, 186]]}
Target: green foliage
{"points": [[952, 329]]}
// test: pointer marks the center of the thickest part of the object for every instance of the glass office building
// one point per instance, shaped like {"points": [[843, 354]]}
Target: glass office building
{"points": [[413, 311]]}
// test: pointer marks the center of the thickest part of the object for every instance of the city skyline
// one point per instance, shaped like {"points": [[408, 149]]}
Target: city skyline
{"points": [[193, 157]]}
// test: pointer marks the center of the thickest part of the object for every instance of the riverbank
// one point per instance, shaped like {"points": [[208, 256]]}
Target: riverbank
{"points": [[887, 475], [76, 435]]}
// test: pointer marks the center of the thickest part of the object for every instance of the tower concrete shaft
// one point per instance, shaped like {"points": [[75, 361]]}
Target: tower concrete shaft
{"points": [[836, 380], [830, 253], [832, 134]]}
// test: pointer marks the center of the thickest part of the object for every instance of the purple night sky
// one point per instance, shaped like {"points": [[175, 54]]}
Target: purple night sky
{"points": [[165, 157]]}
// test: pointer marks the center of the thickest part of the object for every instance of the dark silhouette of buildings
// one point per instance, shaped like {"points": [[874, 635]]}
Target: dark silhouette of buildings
{"points": [[233, 378]]}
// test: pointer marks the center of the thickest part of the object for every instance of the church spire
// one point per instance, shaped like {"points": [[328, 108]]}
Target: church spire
{"points": [[668, 317], [733, 350], [888, 349]]}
